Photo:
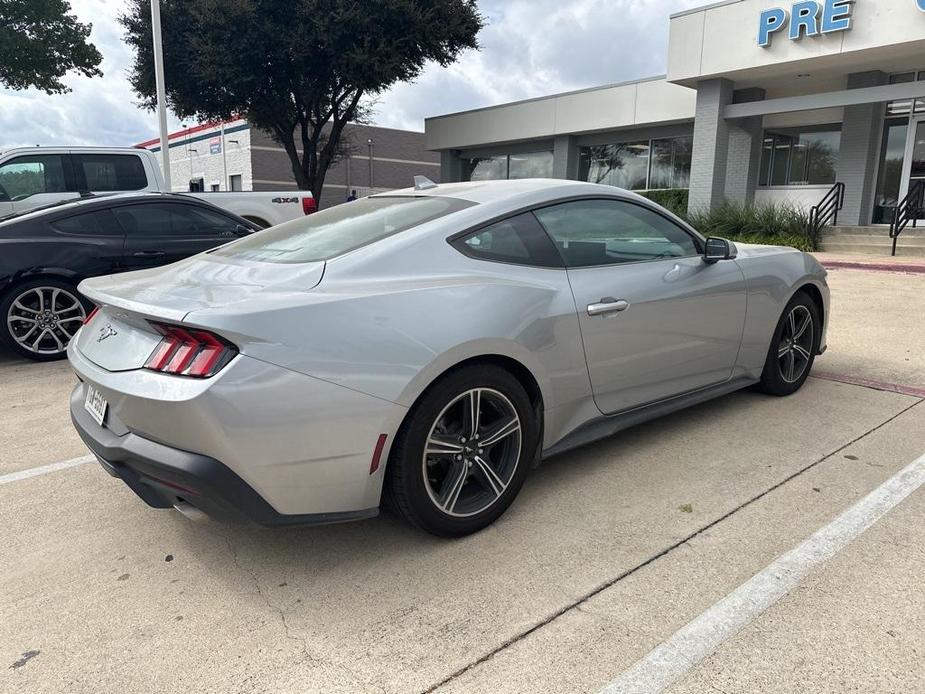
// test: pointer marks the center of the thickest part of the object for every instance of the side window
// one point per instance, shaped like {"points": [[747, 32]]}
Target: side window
{"points": [[519, 240], [209, 223], [144, 220], [607, 232], [165, 219], [104, 173], [98, 223], [32, 174]]}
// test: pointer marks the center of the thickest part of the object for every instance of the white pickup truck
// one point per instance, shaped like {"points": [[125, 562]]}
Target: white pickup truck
{"points": [[35, 176]]}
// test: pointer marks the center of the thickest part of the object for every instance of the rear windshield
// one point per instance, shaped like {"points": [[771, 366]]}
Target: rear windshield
{"points": [[338, 230]]}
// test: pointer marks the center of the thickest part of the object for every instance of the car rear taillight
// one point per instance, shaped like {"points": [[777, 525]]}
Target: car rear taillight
{"points": [[309, 205], [189, 352], [90, 315]]}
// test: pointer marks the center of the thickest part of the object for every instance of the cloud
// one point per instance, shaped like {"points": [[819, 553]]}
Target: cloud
{"points": [[529, 48], [533, 48], [98, 111]]}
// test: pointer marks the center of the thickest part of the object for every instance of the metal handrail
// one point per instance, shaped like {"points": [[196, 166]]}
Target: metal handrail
{"points": [[910, 209], [826, 212]]}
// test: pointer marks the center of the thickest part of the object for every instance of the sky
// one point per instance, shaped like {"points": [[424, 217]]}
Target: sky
{"points": [[529, 48]]}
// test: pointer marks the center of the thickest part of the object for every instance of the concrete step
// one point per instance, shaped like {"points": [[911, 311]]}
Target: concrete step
{"points": [[911, 241], [875, 249], [877, 231]]}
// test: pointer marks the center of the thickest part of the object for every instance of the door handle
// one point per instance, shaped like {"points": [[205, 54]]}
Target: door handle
{"points": [[148, 254], [607, 305]]}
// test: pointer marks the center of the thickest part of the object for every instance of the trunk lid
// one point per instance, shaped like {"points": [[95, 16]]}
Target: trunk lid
{"points": [[119, 338]]}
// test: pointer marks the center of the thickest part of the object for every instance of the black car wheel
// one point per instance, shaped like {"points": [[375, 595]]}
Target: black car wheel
{"points": [[793, 347], [41, 317], [464, 452]]}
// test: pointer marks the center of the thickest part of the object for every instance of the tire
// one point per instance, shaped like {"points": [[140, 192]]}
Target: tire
{"points": [[442, 481], [26, 311], [790, 360]]}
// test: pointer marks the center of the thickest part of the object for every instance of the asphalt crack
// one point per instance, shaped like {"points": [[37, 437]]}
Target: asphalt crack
{"points": [[581, 600], [287, 631]]}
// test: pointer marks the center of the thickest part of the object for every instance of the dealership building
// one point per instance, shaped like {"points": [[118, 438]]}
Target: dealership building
{"points": [[234, 155], [762, 102]]}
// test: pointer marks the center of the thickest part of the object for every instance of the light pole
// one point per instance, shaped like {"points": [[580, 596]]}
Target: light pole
{"points": [[224, 161], [370, 143], [159, 86]]}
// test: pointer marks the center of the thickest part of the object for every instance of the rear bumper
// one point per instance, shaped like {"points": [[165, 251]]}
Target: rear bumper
{"points": [[165, 477]]}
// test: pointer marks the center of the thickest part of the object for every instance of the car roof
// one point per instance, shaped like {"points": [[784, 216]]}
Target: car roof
{"points": [[93, 201], [495, 191], [67, 149]]}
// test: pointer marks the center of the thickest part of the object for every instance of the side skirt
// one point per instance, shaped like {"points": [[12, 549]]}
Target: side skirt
{"points": [[607, 425]]}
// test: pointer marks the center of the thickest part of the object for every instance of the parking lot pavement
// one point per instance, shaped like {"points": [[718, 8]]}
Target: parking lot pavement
{"points": [[858, 623], [878, 327], [607, 634], [608, 551], [35, 426], [86, 582]]}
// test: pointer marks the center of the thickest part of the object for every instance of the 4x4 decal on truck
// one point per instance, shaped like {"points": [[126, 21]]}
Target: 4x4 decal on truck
{"points": [[288, 200]]}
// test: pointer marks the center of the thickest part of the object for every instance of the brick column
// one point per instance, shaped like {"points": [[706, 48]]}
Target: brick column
{"points": [[565, 158], [861, 133], [711, 145], [744, 158]]}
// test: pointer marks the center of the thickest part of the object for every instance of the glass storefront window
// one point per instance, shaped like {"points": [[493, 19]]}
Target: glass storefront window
{"points": [[530, 165], [800, 156], [671, 163], [527, 165], [640, 165], [485, 169], [624, 165]]}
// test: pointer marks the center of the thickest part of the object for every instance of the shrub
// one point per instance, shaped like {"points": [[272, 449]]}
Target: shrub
{"points": [[773, 224], [672, 199]]}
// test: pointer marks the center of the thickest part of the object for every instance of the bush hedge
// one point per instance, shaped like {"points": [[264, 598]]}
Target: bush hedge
{"points": [[772, 224], [672, 199], [766, 223]]}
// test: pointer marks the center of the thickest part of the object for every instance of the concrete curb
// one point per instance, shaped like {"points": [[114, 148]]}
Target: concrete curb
{"points": [[875, 267], [914, 391]]}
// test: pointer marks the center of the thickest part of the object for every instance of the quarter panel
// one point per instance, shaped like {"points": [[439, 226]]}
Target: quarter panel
{"points": [[304, 445], [389, 337]]}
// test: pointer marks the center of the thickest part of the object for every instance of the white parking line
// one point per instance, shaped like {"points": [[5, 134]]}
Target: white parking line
{"points": [[45, 469], [672, 659]]}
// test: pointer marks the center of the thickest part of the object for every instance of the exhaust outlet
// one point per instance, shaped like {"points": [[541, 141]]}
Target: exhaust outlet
{"points": [[190, 511]]}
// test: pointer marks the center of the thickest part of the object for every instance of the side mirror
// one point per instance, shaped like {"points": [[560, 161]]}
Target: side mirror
{"points": [[241, 230], [716, 249]]}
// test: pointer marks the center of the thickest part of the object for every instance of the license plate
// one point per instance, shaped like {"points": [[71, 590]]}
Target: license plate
{"points": [[96, 404]]}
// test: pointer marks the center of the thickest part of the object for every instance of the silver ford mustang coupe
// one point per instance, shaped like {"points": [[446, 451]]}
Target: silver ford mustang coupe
{"points": [[426, 347]]}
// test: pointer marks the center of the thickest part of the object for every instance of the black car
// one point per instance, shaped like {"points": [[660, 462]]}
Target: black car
{"points": [[45, 253]]}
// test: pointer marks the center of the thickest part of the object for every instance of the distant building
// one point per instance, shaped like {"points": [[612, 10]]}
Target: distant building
{"points": [[761, 104], [235, 156]]}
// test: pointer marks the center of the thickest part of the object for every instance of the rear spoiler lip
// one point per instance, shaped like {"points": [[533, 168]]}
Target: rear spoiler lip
{"points": [[101, 298], [154, 311]]}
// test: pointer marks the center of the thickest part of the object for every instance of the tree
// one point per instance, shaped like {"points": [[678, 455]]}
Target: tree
{"points": [[299, 69], [40, 41]]}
